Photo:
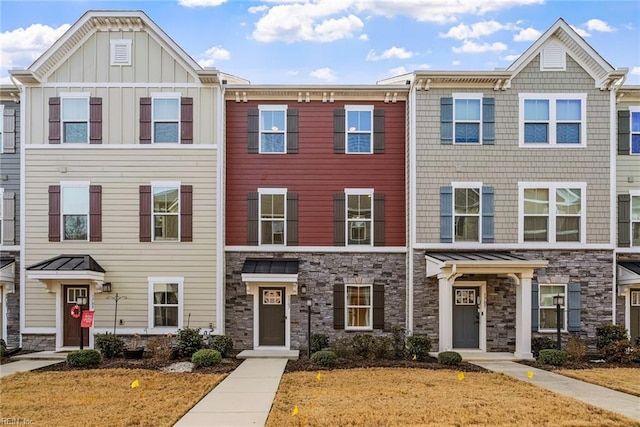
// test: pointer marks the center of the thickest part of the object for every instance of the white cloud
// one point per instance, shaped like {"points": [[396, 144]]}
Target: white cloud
{"points": [[598, 25], [363, 37], [258, 9], [455, 62], [393, 52], [477, 30], [471, 47], [580, 31], [209, 58], [201, 3], [510, 58], [527, 35], [22, 46], [423, 67], [325, 73], [635, 71], [398, 71]]}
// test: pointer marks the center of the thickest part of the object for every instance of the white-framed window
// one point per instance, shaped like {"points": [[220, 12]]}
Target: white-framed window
{"points": [[635, 129], [165, 115], [74, 206], [1, 212], [166, 211], [359, 128], [273, 129], [552, 212], [635, 218], [359, 307], [467, 118], [165, 302], [548, 311], [74, 293], [359, 216], [635, 298], [273, 214], [558, 120], [74, 116], [1, 132], [466, 211], [121, 52]]}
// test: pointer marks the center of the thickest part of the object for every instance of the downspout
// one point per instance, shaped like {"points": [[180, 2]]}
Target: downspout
{"points": [[22, 192], [613, 120], [412, 204], [220, 223]]}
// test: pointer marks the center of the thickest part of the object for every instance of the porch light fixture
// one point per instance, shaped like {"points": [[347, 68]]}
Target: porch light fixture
{"points": [[303, 290], [106, 287]]}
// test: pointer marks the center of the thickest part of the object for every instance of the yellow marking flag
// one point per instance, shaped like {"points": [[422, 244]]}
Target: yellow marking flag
{"points": [[415, 357], [135, 384], [318, 376], [461, 376], [295, 411], [530, 374]]}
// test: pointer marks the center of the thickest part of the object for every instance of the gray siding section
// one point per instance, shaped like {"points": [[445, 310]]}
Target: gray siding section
{"points": [[10, 169]]}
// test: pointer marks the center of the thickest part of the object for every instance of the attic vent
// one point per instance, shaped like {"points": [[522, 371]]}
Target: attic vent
{"points": [[121, 52], [553, 58]]}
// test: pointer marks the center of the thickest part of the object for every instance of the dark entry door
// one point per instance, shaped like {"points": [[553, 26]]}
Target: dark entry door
{"points": [[71, 325], [272, 317], [466, 318], [634, 330]]}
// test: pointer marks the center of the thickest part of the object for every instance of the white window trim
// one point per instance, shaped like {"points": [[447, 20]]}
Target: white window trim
{"points": [[74, 184], [1, 130], [632, 194], [552, 98], [347, 306], [122, 42], [466, 185], [176, 184], [358, 192], [552, 187], [1, 215], [166, 95], [74, 95], [150, 282], [465, 96], [348, 108], [635, 298], [271, 191], [266, 107], [632, 110], [563, 307]]}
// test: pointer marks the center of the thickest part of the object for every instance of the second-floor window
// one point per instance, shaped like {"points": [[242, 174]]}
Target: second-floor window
{"points": [[272, 217], [75, 119], [359, 217], [166, 212], [75, 211], [273, 130], [635, 220], [467, 214], [552, 119], [166, 119], [467, 120], [359, 122], [635, 131]]}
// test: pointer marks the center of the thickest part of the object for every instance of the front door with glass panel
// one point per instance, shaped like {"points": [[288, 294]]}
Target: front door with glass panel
{"points": [[634, 328], [466, 318], [71, 325], [272, 318]]}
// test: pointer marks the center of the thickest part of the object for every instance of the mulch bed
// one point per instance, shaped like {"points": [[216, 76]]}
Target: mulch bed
{"points": [[303, 364], [579, 364]]}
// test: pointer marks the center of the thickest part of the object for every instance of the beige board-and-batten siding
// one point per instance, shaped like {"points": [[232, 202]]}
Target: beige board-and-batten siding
{"points": [[128, 261], [505, 163]]}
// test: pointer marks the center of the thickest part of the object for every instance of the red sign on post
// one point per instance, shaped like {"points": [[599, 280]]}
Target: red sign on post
{"points": [[87, 319]]}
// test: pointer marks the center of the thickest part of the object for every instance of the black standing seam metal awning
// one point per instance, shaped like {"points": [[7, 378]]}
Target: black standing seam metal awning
{"points": [[474, 256], [631, 266], [5, 262], [68, 263], [270, 266]]}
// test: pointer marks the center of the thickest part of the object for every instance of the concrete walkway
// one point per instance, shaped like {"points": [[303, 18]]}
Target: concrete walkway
{"points": [[24, 366], [601, 397], [244, 398]]}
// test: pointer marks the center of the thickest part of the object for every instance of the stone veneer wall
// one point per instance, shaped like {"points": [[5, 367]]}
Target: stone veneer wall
{"points": [[592, 268], [13, 304], [39, 342], [319, 271]]}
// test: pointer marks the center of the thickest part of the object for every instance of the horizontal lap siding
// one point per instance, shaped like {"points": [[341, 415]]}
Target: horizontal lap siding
{"points": [[315, 173], [127, 261]]}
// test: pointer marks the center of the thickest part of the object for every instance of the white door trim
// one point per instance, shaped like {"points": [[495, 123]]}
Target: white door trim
{"points": [[288, 290]]}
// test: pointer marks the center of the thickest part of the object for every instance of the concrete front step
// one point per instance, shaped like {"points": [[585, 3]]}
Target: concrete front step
{"points": [[42, 355], [269, 354]]}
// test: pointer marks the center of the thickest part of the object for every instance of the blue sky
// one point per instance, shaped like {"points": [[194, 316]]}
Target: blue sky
{"points": [[340, 41]]}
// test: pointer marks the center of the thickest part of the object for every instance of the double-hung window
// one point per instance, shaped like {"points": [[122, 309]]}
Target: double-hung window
{"points": [[553, 119], [165, 300], [635, 130], [272, 216], [467, 115], [553, 212], [166, 211], [273, 129], [358, 306], [635, 219], [548, 310], [166, 118], [75, 117], [466, 212], [75, 210], [359, 124], [359, 216]]}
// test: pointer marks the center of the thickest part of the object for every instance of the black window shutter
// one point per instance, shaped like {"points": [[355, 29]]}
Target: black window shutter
{"points": [[253, 130], [487, 214], [446, 121], [292, 219], [624, 220], [292, 131], [535, 305], [252, 219], [339, 131], [575, 305], [488, 121], [339, 219], [446, 214], [378, 131], [624, 132], [378, 219], [378, 306], [338, 306]]}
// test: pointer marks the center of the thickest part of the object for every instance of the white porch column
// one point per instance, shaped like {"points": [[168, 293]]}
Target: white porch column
{"points": [[445, 330], [523, 317]]}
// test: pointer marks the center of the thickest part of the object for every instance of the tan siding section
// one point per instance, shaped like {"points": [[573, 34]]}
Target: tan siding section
{"points": [[505, 164], [127, 261]]}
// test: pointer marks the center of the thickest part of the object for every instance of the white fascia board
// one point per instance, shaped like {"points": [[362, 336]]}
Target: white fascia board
{"points": [[269, 278]]}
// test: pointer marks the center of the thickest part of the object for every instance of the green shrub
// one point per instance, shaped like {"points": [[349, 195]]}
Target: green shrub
{"points": [[319, 342], [324, 358], [161, 347], [619, 351], [189, 341], [609, 333], [3, 348], [398, 338], [449, 358], [576, 348], [362, 345], [418, 347], [637, 340], [83, 358], [553, 357], [206, 357], [222, 343], [343, 348], [542, 343], [381, 347], [110, 345]]}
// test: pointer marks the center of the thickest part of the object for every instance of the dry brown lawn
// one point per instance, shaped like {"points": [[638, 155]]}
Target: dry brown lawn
{"points": [[102, 397], [626, 380], [412, 397]]}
